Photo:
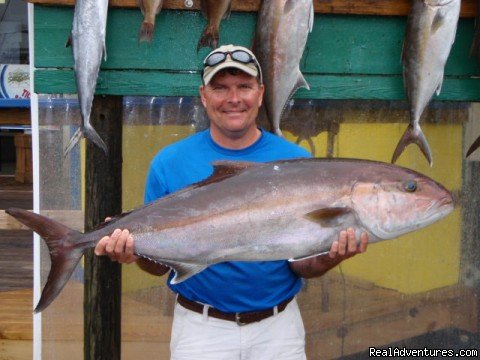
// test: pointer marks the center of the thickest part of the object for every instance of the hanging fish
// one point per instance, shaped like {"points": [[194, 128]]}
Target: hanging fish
{"points": [[430, 34], [88, 43], [475, 51], [281, 35], [214, 11], [150, 9]]}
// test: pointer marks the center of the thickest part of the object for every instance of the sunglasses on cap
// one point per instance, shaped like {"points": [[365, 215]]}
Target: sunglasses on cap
{"points": [[240, 56], [237, 55]]}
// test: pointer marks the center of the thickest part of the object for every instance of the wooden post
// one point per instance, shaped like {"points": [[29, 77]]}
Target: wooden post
{"points": [[470, 268], [103, 198]]}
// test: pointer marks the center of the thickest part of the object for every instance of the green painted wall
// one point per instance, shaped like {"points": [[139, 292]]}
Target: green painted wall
{"points": [[347, 57]]}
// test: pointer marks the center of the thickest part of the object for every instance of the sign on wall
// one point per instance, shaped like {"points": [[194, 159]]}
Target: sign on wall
{"points": [[14, 82]]}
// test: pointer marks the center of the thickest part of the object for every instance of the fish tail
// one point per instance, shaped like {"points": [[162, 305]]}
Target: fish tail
{"points": [[473, 147], [209, 38], [66, 247], [413, 135], [90, 134], [146, 32]]}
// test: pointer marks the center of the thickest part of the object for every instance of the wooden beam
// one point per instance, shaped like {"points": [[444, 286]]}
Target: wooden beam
{"points": [[342, 87], [15, 116], [103, 198], [357, 7]]}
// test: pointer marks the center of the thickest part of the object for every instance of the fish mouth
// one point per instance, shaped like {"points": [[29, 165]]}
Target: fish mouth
{"points": [[447, 201], [439, 209]]}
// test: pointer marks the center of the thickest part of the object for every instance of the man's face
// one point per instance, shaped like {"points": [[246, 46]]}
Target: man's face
{"points": [[232, 103]]}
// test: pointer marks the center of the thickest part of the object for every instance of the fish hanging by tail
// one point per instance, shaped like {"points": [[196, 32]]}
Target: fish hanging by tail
{"points": [[214, 11], [150, 9], [88, 44], [430, 34]]}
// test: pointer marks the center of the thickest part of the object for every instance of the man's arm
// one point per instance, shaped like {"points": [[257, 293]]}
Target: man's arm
{"points": [[119, 247], [344, 248]]}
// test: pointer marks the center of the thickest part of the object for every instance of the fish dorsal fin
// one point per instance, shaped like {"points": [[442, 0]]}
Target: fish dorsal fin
{"points": [[330, 217], [224, 169], [231, 167]]}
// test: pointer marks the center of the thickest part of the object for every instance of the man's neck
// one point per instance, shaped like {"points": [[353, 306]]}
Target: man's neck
{"points": [[235, 141]]}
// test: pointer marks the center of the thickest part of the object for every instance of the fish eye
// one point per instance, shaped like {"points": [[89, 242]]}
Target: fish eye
{"points": [[410, 186]]}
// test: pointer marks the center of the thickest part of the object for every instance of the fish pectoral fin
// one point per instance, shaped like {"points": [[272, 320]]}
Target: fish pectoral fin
{"points": [[311, 18], [301, 82], [104, 52], [289, 5], [439, 86], [437, 22], [183, 271], [69, 41], [228, 12], [330, 217]]}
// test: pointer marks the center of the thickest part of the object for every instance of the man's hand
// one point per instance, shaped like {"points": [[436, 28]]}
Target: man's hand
{"points": [[343, 248], [346, 245], [118, 247]]}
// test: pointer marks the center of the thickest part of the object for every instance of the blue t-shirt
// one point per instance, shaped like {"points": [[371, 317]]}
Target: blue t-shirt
{"points": [[228, 286]]}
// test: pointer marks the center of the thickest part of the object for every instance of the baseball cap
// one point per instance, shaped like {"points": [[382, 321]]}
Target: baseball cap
{"points": [[230, 56]]}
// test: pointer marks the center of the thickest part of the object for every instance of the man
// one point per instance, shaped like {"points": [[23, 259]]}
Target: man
{"points": [[231, 310]]}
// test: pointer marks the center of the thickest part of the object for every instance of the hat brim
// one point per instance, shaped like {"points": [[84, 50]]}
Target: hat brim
{"points": [[210, 72]]}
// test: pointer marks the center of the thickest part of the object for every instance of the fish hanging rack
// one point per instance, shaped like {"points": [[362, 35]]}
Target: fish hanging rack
{"points": [[354, 7]]}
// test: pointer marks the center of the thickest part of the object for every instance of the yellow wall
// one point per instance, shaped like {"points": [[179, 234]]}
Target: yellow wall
{"points": [[417, 262]]}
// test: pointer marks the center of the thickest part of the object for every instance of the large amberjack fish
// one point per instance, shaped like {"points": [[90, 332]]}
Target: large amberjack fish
{"points": [[289, 209], [430, 34], [281, 35], [88, 43], [150, 9], [215, 11]]}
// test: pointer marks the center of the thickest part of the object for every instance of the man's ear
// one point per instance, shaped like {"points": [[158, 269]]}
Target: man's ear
{"points": [[202, 95], [262, 91]]}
